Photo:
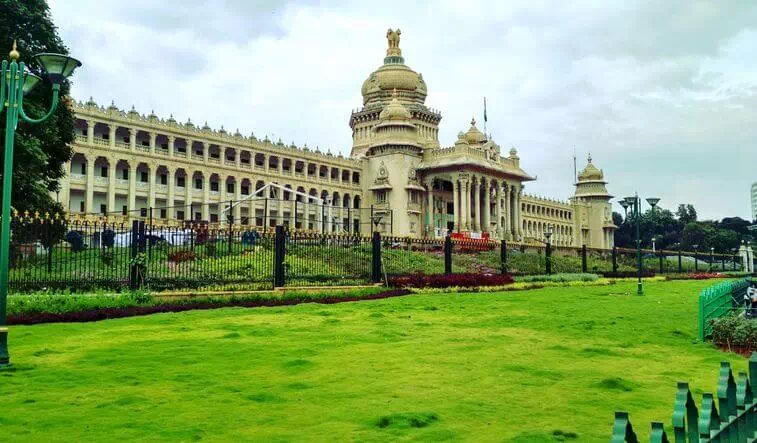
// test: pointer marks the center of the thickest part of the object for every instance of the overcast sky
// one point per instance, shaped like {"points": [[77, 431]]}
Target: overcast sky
{"points": [[662, 93]]}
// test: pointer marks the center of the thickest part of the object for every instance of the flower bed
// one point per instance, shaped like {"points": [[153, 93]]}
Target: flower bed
{"points": [[450, 280], [47, 308], [735, 333]]}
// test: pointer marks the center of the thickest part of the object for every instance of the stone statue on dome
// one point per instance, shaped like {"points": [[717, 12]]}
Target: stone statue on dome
{"points": [[393, 39]]}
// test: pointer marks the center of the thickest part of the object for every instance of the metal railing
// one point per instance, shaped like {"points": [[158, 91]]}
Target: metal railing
{"points": [[729, 415], [717, 301]]}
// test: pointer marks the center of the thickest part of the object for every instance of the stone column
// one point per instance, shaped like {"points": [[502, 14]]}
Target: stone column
{"points": [[152, 142], [430, 207], [133, 139], [517, 218], [456, 202], [238, 157], [507, 229], [329, 213], [293, 211], [90, 131], [170, 202], [464, 203], [205, 152], [238, 207], [305, 213], [90, 185], [188, 194], [112, 185], [476, 185], [65, 188], [498, 209], [487, 207], [112, 135], [132, 187], [151, 198], [171, 140], [206, 194]]}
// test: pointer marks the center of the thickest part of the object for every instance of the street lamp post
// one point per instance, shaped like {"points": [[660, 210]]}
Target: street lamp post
{"points": [[14, 83], [635, 204], [712, 257], [548, 253], [696, 258]]}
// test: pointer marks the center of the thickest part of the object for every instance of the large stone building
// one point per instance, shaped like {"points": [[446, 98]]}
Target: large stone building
{"points": [[398, 178]]}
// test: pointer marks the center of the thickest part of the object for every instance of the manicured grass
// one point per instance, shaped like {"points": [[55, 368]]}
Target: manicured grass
{"points": [[524, 366]]}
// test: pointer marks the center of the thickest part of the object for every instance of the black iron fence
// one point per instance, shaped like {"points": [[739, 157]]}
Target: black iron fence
{"points": [[81, 254]]}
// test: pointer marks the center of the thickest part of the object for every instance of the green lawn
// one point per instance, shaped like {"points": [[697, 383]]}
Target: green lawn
{"points": [[515, 366]]}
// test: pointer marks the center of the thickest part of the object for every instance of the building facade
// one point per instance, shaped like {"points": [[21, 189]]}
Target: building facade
{"points": [[398, 179], [754, 201]]}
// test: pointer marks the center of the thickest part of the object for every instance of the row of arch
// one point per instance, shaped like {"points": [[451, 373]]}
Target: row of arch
{"points": [[545, 211], [230, 187], [231, 156], [562, 235]]}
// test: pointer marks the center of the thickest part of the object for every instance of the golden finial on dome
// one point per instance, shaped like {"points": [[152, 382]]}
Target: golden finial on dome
{"points": [[14, 54]]}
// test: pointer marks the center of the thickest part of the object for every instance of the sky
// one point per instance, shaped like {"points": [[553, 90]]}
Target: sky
{"points": [[663, 94]]}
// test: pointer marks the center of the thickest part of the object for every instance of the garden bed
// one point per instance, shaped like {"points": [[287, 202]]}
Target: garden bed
{"points": [[45, 308]]}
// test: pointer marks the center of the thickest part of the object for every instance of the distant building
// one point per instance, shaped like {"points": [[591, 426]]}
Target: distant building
{"points": [[754, 201]]}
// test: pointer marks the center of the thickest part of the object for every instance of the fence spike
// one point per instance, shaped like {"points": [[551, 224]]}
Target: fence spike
{"points": [[658, 434], [726, 392], [685, 415], [622, 430], [708, 417]]}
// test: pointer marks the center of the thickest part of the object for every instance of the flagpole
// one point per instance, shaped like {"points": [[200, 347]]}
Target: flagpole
{"points": [[485, 118]]}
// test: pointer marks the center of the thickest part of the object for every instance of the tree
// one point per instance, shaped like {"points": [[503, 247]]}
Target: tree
{"points": [[686, 214], [40, 150]]}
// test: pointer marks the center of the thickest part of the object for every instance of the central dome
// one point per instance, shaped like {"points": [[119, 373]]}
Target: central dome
{"points": [[394, 75]]}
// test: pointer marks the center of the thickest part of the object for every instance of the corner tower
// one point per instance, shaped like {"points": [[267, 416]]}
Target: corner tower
{"points": [[391, 80], [592, 209]]}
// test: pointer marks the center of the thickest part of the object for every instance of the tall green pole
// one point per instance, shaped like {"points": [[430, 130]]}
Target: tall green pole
{"points": [[10, 77], [637, 212]]}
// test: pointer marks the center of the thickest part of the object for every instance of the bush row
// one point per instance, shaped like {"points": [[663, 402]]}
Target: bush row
{"points": [[735, 332], [448, 280]]}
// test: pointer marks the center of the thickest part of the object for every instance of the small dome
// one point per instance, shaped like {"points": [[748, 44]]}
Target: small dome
{"points": [[189, 123], [222, 131], [394, 110], [91, 101], [591, 172], [513, 152], [171, 120], [133, 112], [205, 127], [237, 133], [113, 106], [152, 115], [474, 135]]}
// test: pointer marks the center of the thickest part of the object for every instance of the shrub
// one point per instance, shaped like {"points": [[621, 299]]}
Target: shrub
{"points": [[445, 281], [734, 331], [628, 274], [564, 277], [106, 256], [182, 256], [202, 237], [108, 238], [76, 241]]}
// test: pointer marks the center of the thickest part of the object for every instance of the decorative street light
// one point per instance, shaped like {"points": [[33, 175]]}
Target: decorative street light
{"points": [[635, 204], [548, 254], [625, 206], [16, 81], [712, 257]]}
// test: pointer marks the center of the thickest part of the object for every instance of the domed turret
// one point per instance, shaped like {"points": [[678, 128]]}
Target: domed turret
{"points": [[474, 136], [395, 111], [394, 75], [591, 182]]}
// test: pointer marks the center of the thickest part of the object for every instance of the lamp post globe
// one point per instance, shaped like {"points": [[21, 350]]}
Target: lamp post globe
{"points": [[15, 82]]}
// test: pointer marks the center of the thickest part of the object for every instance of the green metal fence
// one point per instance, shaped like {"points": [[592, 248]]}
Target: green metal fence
{"points": [[717, 301], [728, 416]]}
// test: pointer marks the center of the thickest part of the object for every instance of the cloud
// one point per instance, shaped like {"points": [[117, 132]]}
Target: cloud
{"points": [[662, 94]]}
